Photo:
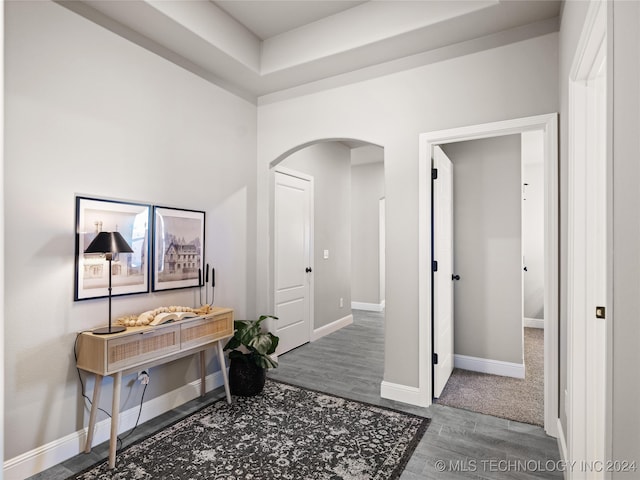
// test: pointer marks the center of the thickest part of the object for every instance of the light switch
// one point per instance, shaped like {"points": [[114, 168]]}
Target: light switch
{"points": [[326, 254]]}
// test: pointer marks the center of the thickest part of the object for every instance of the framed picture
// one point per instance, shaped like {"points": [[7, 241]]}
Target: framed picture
{"points": [[129, 271], [178, 248]]}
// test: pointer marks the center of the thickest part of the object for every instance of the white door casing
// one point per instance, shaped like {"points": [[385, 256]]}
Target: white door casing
{"points": [[587, 247], [293, 293], [442, 278], [382, 251]]}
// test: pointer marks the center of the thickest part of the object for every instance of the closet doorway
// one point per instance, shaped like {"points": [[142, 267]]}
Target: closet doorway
{"points": [[547, 124], [497, 187]]}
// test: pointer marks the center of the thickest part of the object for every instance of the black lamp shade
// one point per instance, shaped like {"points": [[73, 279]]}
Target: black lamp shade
{"points": [[109, 242]]}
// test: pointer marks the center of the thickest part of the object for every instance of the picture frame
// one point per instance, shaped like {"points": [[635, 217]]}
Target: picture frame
{"points": [[178, 248], [130, 271]]}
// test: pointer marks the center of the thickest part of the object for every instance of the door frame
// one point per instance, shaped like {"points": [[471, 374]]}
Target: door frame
{"points": [[382, 251], [588, 428], [271, 326], [549, 125]]}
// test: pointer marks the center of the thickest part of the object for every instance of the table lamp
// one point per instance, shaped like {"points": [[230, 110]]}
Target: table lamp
{"points": [[109, 243]]}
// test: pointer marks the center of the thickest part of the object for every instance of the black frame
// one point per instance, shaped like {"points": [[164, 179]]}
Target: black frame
{"points": [[133, 221], [185, 269]]}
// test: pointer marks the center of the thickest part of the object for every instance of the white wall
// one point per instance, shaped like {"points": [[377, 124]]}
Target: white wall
{"points": [[367, 188], [513, 81], [88, 112], [329, 165], [533, 223], [624, 411], [487, 248]]}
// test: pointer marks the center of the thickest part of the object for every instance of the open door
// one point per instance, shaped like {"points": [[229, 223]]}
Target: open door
{"points": [[443, 276]]}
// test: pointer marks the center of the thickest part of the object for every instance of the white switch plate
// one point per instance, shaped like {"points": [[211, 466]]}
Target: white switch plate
{"points": [[326, 254]]}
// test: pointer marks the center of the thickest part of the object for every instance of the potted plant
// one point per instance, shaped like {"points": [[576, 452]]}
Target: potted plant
{"points": [[250, 356]]}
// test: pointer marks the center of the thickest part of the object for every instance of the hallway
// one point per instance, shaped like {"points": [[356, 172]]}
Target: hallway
{"points": [[350, 363]]}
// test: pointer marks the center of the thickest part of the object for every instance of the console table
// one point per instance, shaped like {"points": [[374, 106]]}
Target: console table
{"points": [[140, 348]]}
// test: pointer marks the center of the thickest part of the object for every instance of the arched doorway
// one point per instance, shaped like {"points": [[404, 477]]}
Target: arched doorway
{"points": [[314, 271]]}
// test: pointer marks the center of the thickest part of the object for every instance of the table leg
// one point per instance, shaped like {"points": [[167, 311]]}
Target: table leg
{"points": [[203, 374], [223, 369], [115, 413], [94, 410]]}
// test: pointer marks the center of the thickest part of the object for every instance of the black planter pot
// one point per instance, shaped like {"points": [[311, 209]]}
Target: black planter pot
{"points": [[246, 379]]}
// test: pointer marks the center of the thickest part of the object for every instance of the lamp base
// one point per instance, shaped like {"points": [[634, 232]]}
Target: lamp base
{"points": [[108, 330]]}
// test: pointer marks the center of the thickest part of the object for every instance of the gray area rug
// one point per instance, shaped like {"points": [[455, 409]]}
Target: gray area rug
{"points": [[287, 432], [516, 399]]}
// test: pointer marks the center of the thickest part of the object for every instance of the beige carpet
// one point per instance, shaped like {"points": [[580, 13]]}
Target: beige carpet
{"points": [[513, 398]]}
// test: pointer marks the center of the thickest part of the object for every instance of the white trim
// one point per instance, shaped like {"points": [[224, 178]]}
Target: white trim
{"points": [[562, 446], [551, 277], [293, 173], [2, 242], [485, 365], [587, 337], [332, 327], [549, 125], [57, 451], [400, 393], [382, 249], [533, 322], [369, 307]]}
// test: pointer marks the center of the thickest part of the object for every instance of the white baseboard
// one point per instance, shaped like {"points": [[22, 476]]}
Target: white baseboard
{"points": [[533, 322], [484, 365], [46, 456], [370, 307], [401, 393], [332, 327], [562, 446]]}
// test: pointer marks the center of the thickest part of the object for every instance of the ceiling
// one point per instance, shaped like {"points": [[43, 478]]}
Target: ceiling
{"points": [[264, 49], [270, 18]]}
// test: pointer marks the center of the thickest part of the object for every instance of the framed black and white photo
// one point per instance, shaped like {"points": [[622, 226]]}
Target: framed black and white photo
{"points": [[130, 271], [178, 248]]}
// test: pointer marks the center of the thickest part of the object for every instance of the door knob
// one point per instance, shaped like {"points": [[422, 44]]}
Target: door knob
{"points": [[308, 270], [455, 277]]}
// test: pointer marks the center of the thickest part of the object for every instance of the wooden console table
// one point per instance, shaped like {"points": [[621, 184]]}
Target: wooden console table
{"points": [[140, 348]]}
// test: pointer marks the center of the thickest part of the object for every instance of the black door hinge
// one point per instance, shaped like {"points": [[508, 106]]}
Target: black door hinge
{"points": [[434, 174], [435, 265], [435, 359]]}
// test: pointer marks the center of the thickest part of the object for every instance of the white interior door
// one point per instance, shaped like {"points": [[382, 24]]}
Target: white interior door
{"points": [[443, 277], [292, 259]]}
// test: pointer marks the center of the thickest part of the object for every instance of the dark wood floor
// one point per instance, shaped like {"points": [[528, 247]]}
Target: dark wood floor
{"points": [[350, 363], [457, 445]]}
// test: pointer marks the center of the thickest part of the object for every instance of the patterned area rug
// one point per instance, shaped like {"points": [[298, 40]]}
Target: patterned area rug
{"points": [[287, 432]]}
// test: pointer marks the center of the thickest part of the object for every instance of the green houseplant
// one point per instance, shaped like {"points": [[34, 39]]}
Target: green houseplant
{"points": [[250, 356]]}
